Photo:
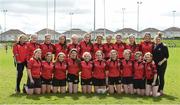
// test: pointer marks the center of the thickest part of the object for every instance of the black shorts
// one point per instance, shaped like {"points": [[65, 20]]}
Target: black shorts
{"points": [[72, 78], [139, 84], [57, 82], [86, 81], [99, 82], [114, 80], [149, 82], [46, 81], [36, 84], [127, 80]]}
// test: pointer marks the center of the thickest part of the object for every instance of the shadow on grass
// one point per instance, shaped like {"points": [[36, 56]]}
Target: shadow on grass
{"points": [[99, 96], [165, 96]]}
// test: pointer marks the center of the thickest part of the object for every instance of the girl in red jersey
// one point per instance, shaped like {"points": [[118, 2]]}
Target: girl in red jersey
{"points": [[32, 45], [34, 74], [99, 74], [20, 59], [85, 45], [73, 71], [127, 72], [147, 45], [98, 45], [108, 46], [151, 76], [61, 46], [47, 46], [46, 73], [86, 73], [119, 46], [74, 43], [139, 74], [113, 71], [132, 46], [60, 71]]}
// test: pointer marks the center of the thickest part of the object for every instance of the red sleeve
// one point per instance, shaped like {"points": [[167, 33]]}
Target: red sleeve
{"points": [[15, 52], [30, 64]]}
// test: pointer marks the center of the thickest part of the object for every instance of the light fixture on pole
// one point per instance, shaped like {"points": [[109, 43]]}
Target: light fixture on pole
{"points": [[123, 9], [4, 11], [104, 17], [94, 19], [71, 14], [174, 14], [54, 21], [138, 5], [47, 13]]}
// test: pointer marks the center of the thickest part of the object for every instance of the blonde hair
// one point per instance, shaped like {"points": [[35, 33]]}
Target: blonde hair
{"points": [[99, 51], [21, 36], [113, 51], [127, 51], [148, 54], [138, 54], [86, 53], [37, 50], [87, 34], [74, 36]]}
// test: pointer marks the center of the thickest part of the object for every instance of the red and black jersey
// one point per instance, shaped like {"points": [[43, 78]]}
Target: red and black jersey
{"points": [[20, 52], [119, 47], [134, 48], [85, 47], [73, 66], [47, 70], [114, 68], [47, 48], [146, 47], [35, 67], [60, 48], [60, 69], [97, 47], [31, 47], [73, 46], [150, 70], [99, 69], [127, 68], [107, 48], [86, 69], [139, 70]]}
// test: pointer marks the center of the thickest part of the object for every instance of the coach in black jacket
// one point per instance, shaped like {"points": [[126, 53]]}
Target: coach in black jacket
{"points": [[160, 55]]}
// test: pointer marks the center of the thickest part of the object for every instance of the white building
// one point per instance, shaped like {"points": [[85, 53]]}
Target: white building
{"points": [[172, 32], [153, 32], [10, 35], [41, 33], [78, 32], [125, 32]]}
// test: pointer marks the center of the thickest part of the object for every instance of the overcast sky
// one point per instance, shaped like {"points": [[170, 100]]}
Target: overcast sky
{"points": [[30, 15]]}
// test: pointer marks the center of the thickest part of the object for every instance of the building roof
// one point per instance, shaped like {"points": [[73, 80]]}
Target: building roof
{"points": [[126, 30], [101, 31], [150, 30], [12, 32], [172, 29], [75, 31], [46, 30]]}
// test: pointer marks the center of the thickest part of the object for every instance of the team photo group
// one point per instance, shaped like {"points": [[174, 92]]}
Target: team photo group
{"points": [[107, 65]]}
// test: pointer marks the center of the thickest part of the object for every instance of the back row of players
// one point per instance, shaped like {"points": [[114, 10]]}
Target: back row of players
{"points": [[125, 67]]}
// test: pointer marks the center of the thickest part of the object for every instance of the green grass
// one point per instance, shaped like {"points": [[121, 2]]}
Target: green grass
{"points": [[8, 75]]}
